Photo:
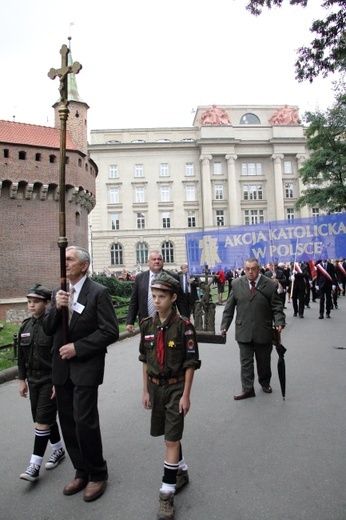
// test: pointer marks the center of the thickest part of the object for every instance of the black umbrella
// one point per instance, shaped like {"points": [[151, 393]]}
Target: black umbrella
{"points": [[280, 349]]}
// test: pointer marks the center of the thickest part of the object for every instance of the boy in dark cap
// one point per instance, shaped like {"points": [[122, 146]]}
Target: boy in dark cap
{"points": [[35, 372], [169, 353]]}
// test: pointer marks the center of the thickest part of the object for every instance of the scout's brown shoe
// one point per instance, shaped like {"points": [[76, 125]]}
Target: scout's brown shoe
{"points": [[182, 480], [94, 490], [166, 510]]}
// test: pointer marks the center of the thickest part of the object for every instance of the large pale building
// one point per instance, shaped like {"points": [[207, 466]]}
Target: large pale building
{"points": [[237, 165]]}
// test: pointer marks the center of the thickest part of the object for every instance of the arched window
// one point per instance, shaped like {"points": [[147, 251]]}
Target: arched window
{"points": [[167, 250], [249, 119], [142, 253], [116, 254]]}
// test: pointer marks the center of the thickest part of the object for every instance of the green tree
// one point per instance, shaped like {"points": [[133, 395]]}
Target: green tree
{"points": [[327, 51], [324, 172]]}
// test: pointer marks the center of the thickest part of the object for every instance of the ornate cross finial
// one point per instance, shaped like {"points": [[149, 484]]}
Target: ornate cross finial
{"points": [[64, 71]]}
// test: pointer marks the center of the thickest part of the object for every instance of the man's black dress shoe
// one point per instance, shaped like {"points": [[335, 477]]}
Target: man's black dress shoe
{"points": [[245, 395], [328, 315], [267, 389], [320, 317]]}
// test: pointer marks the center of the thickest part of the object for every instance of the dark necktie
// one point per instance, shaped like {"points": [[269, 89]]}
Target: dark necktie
{"points": [[160, 348], [253, 285]]}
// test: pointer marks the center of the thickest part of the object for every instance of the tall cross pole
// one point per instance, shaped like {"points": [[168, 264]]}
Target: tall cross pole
{"points": [[62, 73]]}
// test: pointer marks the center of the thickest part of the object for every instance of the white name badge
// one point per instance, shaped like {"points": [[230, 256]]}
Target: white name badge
{"points": [[78, 307]]}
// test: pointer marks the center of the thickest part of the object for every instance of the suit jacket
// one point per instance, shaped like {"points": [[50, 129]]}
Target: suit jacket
{"points": [[257, 312], [139, 298], [91, 331], [322, 281], [192, 295]]}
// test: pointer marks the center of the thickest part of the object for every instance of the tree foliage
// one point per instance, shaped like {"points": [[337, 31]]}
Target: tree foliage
{"points": [[324, 173], [327, 51]]}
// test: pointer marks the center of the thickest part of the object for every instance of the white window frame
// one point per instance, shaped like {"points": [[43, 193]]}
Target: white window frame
{"points": [[139, 170], [217, 168], [166, 219], [139, 194], [190, 191], [251, 168], [191, 219], [289, 192], [288, 167], [189, 170], [114, 195], [220, 217], [218, 188], [290, 215], [164, 170], [253, 216], [140, 221], [115, 221], [253, 191], [113, 171], [165, 194]]}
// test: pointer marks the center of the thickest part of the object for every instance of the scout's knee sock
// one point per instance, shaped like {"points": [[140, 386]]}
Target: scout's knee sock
{"points": [[54, 438], [182, 463], [40, 444], [169, 478]]}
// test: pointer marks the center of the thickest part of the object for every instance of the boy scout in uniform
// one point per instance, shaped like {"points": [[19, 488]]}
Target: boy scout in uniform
{"points": [[35, 371], [169, 353]]}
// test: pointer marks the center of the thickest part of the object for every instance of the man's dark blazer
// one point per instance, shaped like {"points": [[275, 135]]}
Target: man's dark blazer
{"points": [[139, 298], [91, 331], [192, 296], [322, 281]]}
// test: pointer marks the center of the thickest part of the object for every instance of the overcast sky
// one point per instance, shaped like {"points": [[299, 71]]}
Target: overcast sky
{"points": [[150, 63]]}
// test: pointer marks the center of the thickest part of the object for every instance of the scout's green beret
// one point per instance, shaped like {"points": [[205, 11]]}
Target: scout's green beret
{"points": [[39, 291], [165, 282]]}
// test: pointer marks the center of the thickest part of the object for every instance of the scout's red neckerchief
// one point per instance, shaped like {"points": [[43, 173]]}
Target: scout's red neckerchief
{"points": [[324, 272], [160, 339]]}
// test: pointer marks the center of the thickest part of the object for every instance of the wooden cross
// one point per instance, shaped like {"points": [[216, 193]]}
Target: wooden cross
{"points": [[64, 70]]}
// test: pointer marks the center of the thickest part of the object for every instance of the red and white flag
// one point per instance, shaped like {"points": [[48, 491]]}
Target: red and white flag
{"points": [[297, 268], [324, 272], [312, 269]]}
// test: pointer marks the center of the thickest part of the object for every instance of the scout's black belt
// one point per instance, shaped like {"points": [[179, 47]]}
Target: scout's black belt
{"points": [[163, 382]]}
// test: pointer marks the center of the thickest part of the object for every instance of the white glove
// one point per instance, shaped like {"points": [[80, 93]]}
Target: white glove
{"points": [[292, 278], [294, 271], [333, 287], [317, 288]]}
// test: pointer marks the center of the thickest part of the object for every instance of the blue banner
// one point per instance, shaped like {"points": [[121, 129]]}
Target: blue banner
{"points": [[279, 241]]}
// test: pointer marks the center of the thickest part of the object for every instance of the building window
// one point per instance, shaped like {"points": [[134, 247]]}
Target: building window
{"points": [[219, 191], [253, 216], [52, 159], [166, 220], [290, 214], [142, 253], [6, 153], [164, 170], [288, 167], [67, 160], [139, 172], [165, 194], [253, 192], [189, 172], [191, 219], [79, 162], [116, 254], [139, 194], [315, 212], [140, 221], [190, 193], [115, 221], [217, 168], [167, 250], [114, 196], [220, 217], [22, 156], [289, 190], [38, 157], [113, 171], [251, 168], [249, 119]]}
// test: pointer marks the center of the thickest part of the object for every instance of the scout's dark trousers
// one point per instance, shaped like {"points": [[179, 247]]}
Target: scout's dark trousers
{"points": [[79, 420]]}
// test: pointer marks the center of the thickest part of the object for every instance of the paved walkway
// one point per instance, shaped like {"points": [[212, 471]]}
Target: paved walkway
{"points": [[259, 459]]}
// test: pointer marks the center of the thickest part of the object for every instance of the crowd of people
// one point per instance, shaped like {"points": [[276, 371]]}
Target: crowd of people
{"points": [[62, 348]]}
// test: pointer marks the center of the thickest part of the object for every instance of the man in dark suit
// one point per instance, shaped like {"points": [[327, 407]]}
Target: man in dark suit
{"points": [[259, 308], [325, 282], [189, 286], [78, 369], [141, 303]]}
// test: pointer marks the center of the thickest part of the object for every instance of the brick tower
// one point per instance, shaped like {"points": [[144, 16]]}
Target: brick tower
{"points": [[29, 201]]}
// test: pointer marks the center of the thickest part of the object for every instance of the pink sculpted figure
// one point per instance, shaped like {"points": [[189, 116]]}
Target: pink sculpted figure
{"points": [[284, 116], [215, 116]]}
